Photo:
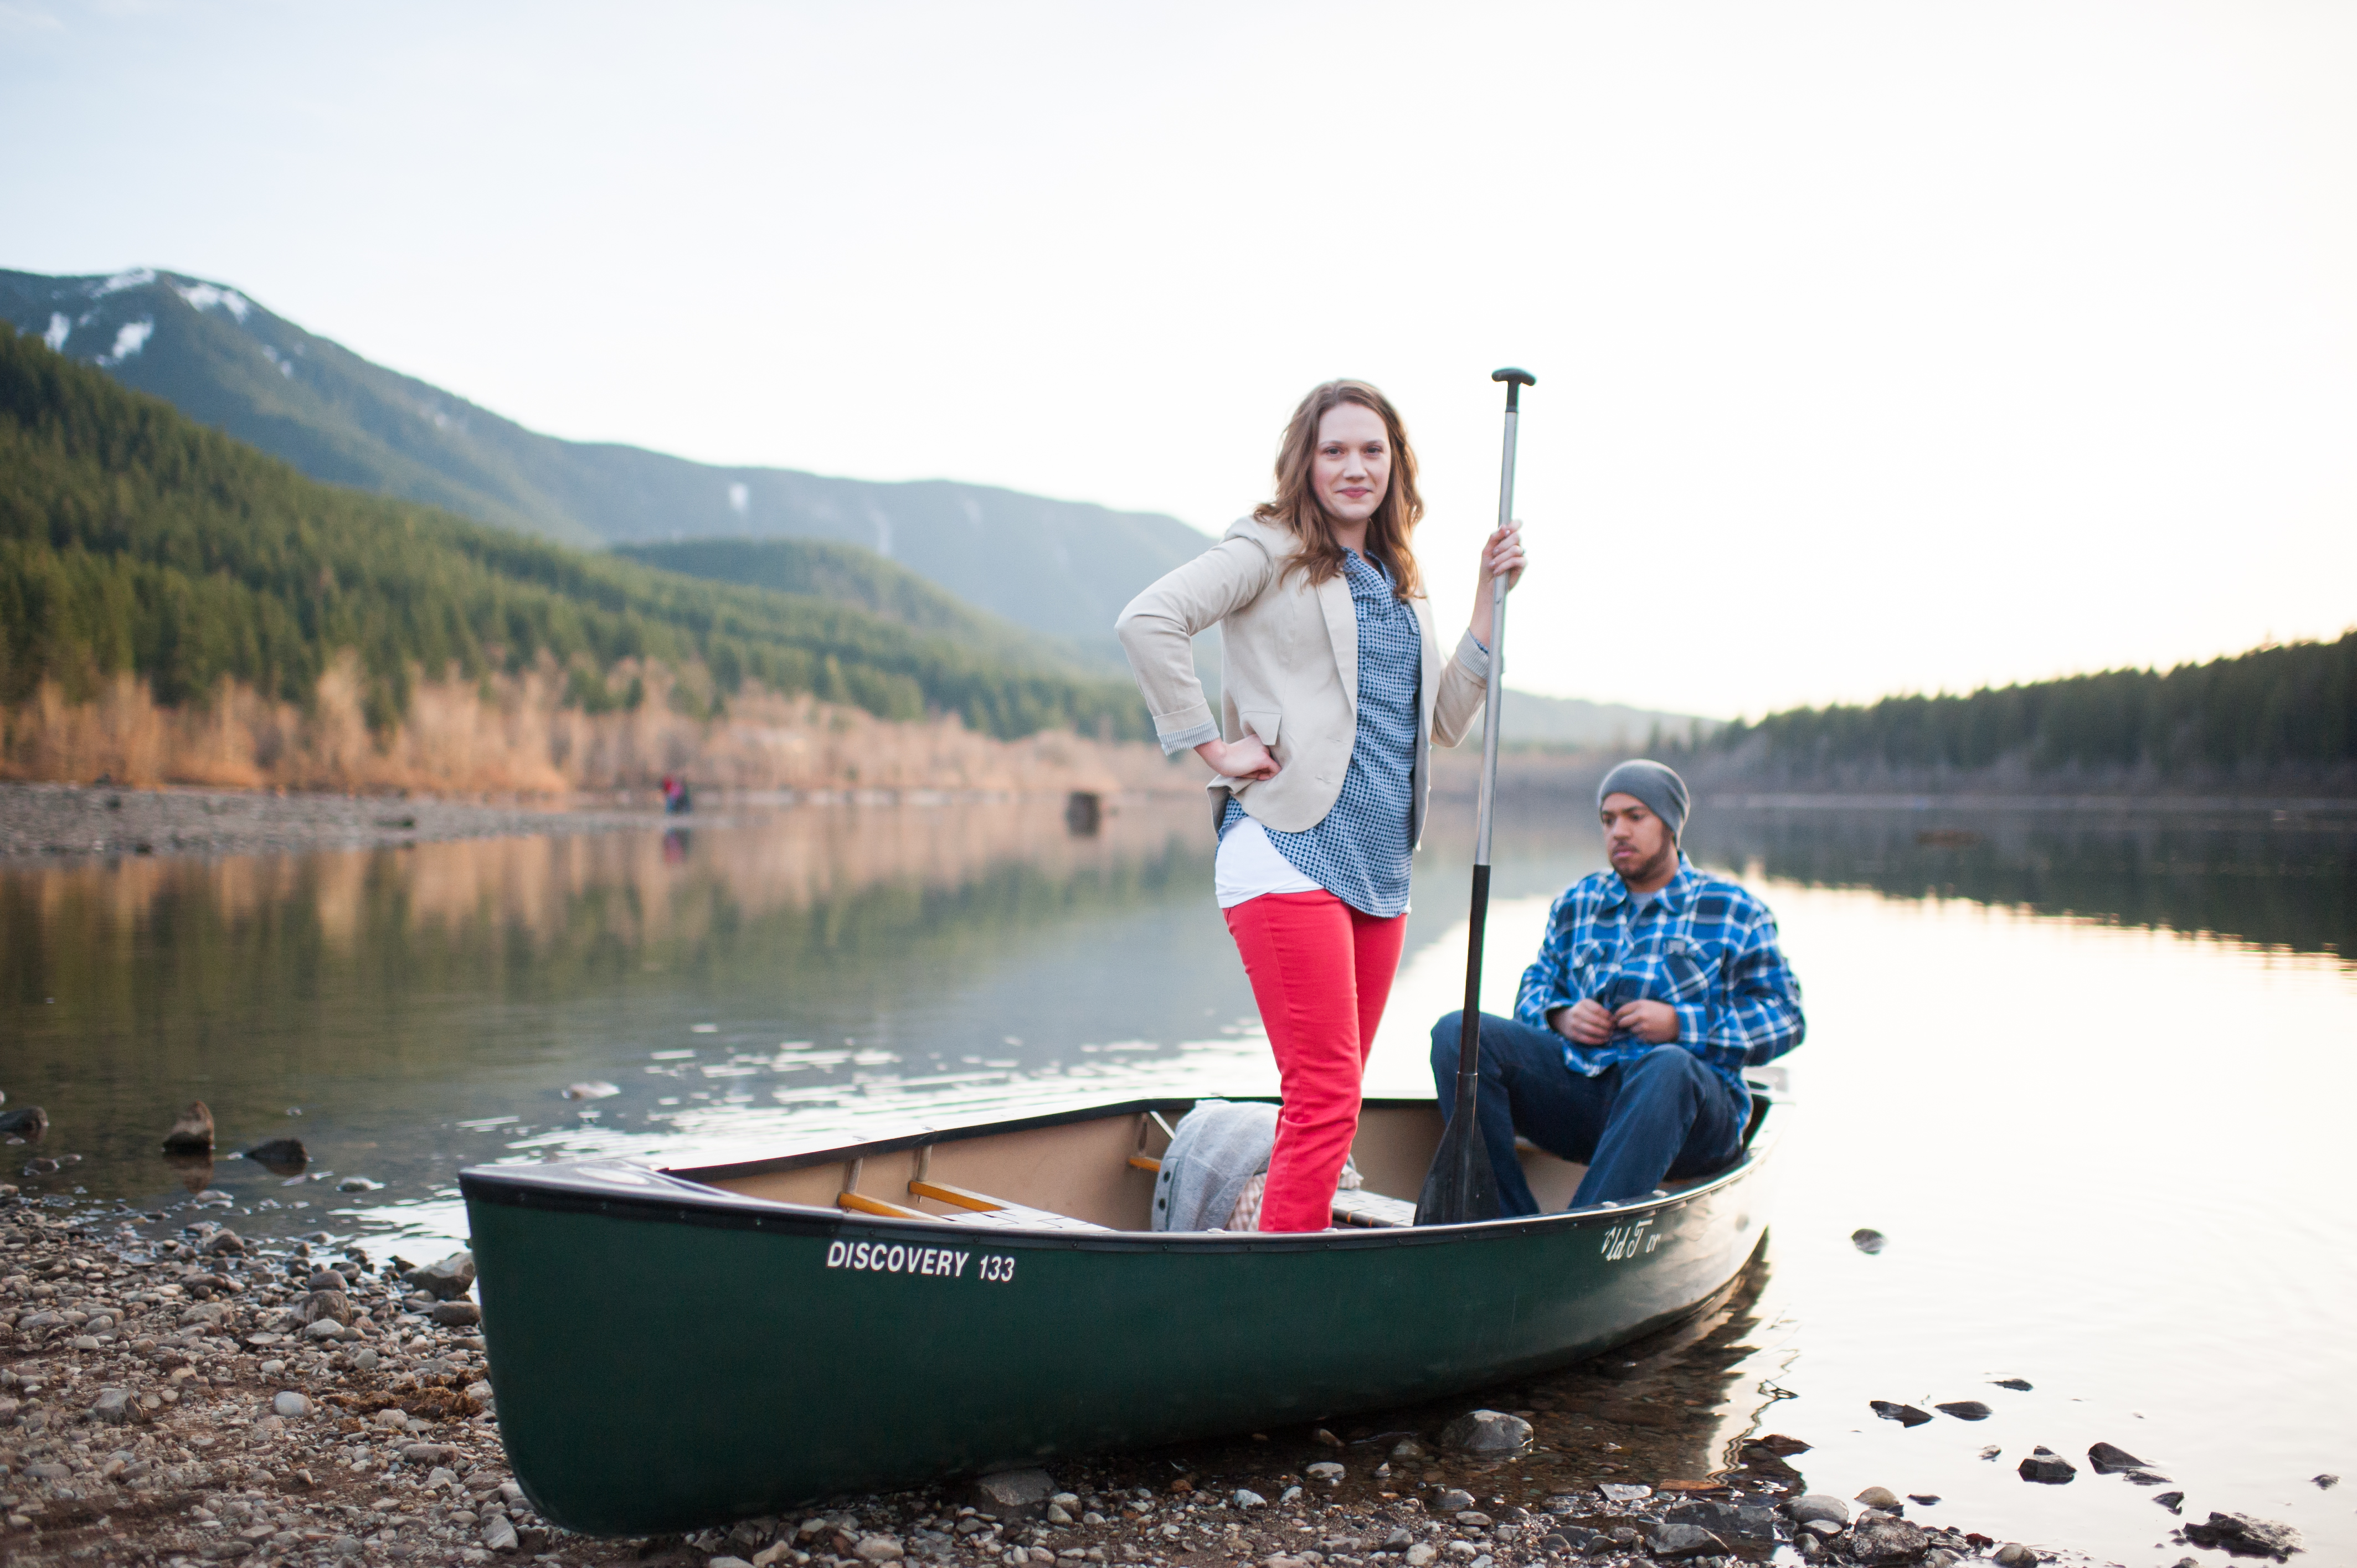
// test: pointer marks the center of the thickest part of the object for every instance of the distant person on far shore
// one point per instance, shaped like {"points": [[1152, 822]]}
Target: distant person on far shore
{"points": [[1657, 986], [677, 801]]}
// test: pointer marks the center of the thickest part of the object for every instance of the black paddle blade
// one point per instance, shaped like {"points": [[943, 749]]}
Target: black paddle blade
{"points": [[1460, 1187]]}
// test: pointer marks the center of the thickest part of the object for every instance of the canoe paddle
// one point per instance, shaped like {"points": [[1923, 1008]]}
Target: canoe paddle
{"points": [[1460, 1187]]}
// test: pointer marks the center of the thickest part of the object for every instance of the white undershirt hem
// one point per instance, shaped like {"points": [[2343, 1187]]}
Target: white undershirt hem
{"points": [[1249, 866]]}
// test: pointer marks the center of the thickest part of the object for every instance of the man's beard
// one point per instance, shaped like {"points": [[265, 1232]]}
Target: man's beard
{"points": [[1667, 859]]}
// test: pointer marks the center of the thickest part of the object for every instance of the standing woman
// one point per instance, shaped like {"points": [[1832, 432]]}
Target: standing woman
{"points": [[1333, 690]]}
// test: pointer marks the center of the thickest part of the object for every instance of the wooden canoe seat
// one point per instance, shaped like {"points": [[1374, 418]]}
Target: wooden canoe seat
{"points": [[1355, 1207], [970, 1207]]}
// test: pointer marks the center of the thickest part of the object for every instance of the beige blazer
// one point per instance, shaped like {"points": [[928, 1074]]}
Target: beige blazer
{"points": [[1288, 675]]}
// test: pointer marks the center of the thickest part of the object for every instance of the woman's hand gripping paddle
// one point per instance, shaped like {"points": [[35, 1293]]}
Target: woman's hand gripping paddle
{"points": [[1461, 1187]]}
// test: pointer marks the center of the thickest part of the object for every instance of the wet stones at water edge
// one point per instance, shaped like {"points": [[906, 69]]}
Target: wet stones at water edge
{"points": [[2047, 1467], [1869, 1242], [1486, 1432], [1879, 1498], [1014, 1494], [2018, 1385], [281, 1156], [2239, 1532], [2111, 1460], [193, 1132], [451, 1278], [26, 1121], [1904, 1415], [1883, 1540], [1673, 1542], [1964, 1410]]}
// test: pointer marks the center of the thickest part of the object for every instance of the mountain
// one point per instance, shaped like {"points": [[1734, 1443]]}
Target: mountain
{"points": [[1574, 724], [136, 541], [848, 574], [1064, 568]]}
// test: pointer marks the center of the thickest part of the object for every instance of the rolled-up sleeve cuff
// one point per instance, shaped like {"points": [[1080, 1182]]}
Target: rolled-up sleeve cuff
{"points": [[1473, 656], [1176, 741]]}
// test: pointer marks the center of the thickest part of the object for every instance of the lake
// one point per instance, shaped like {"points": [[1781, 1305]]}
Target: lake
{"points": [[2089, 1076]]}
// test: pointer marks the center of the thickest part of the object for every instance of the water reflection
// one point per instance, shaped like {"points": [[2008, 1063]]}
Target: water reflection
{"points": [[2290, 884], [2108, 1156]]}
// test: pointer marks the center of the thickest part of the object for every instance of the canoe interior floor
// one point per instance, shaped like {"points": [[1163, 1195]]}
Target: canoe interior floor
{"points": [[1081, 1170]]}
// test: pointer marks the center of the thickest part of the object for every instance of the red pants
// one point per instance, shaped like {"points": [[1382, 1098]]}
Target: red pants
{"points": [[1321, 973]]}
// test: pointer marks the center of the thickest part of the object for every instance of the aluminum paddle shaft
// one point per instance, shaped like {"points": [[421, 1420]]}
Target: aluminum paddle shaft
{"points": [[1461, 1186]]}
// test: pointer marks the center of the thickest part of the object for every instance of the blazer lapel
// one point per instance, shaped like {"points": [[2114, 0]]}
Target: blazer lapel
{"points": [[1342, 630]]}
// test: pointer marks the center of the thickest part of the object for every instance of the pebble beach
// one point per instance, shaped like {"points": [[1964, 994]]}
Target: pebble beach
{"points": [[172, 1393]]}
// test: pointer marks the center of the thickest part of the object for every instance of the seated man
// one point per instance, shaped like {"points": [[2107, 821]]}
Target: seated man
{"points": [[1655, 988]]}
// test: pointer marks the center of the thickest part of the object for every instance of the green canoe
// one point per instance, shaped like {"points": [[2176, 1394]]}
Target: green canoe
{"points": [[674, 1348]]}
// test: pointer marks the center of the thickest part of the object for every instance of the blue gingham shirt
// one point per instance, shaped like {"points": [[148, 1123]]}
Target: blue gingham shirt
{"points": [[1702, 944], [1360, 850]]}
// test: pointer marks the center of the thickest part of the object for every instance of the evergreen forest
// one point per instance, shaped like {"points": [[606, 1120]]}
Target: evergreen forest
{"points": [[134, 540], [2291, 708]]}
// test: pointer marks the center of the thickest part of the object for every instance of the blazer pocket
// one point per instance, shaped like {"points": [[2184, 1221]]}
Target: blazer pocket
{"points": [[1262, 723]]}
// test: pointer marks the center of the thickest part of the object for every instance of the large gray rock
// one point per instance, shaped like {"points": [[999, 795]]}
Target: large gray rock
{"points": [[1456, 1499], [2047, 1467], [2241, 1533], [1486, 1432], [1728, 1521], [223, 1242], [1014, 1494], [456, 1314], [1818, 1505], [1670, 1541], [1886, 1540], [291, 1405], [115, 1406], [326, 1303], [2110, 1459], [451, 1278]]}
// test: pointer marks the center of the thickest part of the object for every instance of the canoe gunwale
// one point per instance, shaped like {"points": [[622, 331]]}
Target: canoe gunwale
{"points": [[683, 1200]]}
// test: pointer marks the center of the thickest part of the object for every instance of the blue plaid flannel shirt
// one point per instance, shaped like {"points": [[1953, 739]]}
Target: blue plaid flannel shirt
{"points": [[1703, 945]]}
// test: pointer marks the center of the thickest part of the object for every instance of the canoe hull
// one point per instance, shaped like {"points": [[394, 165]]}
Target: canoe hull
{"points": [[662, 1362]]}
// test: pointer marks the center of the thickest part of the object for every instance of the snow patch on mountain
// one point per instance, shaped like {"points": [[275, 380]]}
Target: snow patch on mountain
{"points": [[60, 330], [741, 500], [129, 338], [208, 296], [285, 367], [137, 277]]}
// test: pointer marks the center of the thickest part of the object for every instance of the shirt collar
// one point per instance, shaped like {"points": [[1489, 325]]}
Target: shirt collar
{"points": [[1672, 897]]}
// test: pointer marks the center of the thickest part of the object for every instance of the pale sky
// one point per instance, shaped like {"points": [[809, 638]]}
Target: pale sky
{"points": [[1880, 347]]}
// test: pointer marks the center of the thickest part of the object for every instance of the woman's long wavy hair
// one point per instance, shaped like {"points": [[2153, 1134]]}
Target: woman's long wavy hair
{"points": [[1298, 508]]}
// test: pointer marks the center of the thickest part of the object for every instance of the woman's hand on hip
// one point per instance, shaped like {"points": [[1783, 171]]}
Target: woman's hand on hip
{"points": [[1501, 556], [1245, 759]]}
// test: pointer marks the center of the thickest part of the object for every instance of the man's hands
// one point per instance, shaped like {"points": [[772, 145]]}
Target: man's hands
{"points": [[1588, 1024]]}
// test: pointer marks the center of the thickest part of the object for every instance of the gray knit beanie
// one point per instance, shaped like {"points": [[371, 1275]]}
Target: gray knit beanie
{"points": [[1659, 786]]}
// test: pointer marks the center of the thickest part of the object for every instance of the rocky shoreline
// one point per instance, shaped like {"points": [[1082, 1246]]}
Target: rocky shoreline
{"points": [[172, 1393], [62, 822]]}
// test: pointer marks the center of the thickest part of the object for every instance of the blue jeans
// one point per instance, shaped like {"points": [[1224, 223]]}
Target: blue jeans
{"points": [[1663, 1114]]}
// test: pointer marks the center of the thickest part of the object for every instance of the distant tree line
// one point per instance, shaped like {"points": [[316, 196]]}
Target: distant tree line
{"points": [[134, 540], [2294, 705]]}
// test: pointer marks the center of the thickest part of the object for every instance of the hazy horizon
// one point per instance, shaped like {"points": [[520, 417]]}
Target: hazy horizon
{"points": [[1878, 351]]}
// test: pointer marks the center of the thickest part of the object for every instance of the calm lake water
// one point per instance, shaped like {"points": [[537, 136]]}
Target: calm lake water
{"points": [[2093, 1078]]}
